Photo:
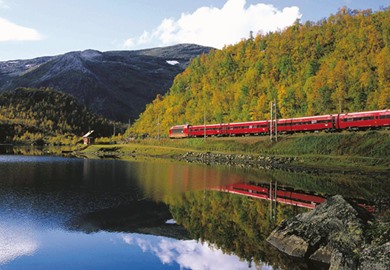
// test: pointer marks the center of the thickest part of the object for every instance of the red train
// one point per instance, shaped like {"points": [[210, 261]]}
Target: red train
{"points": [[328, 123]]}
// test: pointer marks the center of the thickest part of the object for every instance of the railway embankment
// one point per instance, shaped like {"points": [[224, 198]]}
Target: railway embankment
{"points": [[298, 163], [346, 152]]}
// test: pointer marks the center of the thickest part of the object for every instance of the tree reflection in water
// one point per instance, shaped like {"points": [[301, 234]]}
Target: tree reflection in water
{"points": [[236, 224]]}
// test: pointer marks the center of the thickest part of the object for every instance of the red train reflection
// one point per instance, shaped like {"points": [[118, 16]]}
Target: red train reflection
{"points": [[285, 195]]}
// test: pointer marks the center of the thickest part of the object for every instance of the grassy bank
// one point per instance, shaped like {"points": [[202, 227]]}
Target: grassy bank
{"points": [[369, 150]]}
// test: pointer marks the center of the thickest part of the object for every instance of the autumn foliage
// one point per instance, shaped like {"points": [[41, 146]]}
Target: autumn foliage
{"points": [[339, 64]]}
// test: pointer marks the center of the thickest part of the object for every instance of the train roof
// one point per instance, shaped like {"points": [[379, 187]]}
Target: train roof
{"points": [[250, 122], [308, 117], [369, 112], [179, 126]]}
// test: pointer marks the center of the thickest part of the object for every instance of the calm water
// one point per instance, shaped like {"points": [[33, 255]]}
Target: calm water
{"points": [[67, 213]]}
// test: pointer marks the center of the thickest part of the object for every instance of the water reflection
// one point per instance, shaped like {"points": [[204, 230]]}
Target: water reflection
{"points": [[72, 210], [236, 225], [113, 213], [274, 193], [189, 254], [161, 179], [15, 241]]}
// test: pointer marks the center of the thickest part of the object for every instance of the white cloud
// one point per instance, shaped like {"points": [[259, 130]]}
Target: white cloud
{"points": [[217, 27], [3, 5], [188, 254], [15, 242], [13, 32]]}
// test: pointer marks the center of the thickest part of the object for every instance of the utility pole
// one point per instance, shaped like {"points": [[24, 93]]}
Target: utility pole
{"points": [[271, 132], [204, 123], [340, 106], [158, 125], [273, 127], [276, 120]]}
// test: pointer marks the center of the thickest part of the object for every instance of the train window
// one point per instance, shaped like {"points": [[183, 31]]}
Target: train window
{"points": [[384, 117], [347, 119], [354, 119], [177, 131]]}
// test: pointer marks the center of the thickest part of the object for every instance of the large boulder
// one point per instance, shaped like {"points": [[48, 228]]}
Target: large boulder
{"points": [[333, 233]]}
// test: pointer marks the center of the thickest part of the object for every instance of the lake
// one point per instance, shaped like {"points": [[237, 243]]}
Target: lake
{"points": [[70, 213]]}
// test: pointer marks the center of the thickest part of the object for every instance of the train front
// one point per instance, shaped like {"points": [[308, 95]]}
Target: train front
{"points": [[180, 131]]}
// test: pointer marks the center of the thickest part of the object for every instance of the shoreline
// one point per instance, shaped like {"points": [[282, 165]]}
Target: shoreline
{"points": [[315, 164]]}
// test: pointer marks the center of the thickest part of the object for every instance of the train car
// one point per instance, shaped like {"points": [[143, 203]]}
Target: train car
{"points": [[364, 120], [179, 131], [197, 131], [248, 128], [314, 123], [309, 124], [208, 130], [283, 126], [383, 119]]}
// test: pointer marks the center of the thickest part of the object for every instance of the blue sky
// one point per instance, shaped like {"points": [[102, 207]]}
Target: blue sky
{"points": [[33, 28]]}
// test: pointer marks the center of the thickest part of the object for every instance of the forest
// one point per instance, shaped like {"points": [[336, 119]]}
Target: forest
{"points": [[38, 116], [338, 64]]}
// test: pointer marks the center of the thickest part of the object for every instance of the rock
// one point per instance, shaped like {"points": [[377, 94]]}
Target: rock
{"points": [[323, 254], [332, 233], [375, 257]]}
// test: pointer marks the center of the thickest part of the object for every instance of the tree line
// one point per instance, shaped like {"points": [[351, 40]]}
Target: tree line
{"points": [[338, 64], [36, 115]]}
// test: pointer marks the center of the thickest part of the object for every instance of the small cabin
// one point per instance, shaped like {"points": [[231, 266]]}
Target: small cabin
{"points": [[88, 139]]}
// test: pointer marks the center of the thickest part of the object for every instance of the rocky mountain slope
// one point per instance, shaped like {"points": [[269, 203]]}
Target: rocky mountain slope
{"points": [[115, 84]]}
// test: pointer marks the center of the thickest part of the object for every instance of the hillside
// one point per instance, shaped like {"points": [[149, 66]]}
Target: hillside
{"points": [[337, 64], [115, 84], [32, 115]]}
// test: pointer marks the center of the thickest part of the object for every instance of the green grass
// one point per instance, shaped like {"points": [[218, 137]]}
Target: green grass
{"points": [[364, 150], [366, 144]]}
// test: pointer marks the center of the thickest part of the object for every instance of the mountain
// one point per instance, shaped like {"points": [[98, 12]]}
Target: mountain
{"points": [[115, 84], [337, 64]]}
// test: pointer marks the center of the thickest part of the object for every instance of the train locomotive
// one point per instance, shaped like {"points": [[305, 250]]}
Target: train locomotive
{"points": [[329, 123]]}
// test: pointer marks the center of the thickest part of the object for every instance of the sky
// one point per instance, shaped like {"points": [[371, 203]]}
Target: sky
{"points": [[34, 28]]}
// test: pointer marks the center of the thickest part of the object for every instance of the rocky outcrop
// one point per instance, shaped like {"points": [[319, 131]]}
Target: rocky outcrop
{"points": [[333, 233], [241, 160]]}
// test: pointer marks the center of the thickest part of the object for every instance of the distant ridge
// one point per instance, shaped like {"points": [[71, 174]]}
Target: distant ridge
{"points": [[115, 84]]}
